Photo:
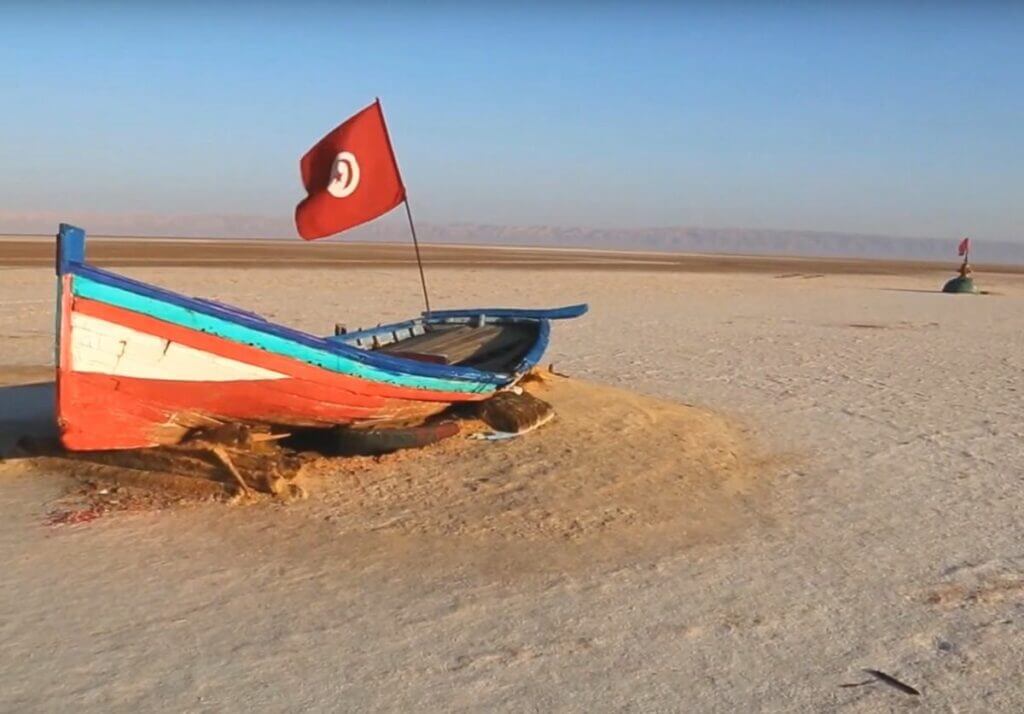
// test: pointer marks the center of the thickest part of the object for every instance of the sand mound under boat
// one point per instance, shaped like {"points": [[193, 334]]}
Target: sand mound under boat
{"points": [[612, 465]]}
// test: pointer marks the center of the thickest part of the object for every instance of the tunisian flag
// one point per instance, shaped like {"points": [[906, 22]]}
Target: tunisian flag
{"points": [[965, 245], [351, 177]]}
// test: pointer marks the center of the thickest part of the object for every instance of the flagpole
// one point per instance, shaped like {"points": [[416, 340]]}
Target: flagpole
{"points": [[419, 260], [408, 211]]}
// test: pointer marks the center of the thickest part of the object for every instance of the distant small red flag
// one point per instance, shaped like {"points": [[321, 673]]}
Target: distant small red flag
{"points": [[965, 245], [351, 177]]}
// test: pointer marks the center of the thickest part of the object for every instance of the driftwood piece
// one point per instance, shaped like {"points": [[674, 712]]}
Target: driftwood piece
{"points": [[515, 413], [257, 466], [248, 455], [222, 455], [893, 682]]}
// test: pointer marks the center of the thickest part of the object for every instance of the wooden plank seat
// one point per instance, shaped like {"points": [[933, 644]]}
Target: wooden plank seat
{"points": [[464, 344]]}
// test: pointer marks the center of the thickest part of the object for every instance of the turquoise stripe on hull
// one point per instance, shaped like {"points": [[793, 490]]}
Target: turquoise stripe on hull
{"points": [[177, 315]]}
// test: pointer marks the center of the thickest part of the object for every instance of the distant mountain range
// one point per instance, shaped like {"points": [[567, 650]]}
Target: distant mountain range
{"points": [[745, 241], [393, 228]]}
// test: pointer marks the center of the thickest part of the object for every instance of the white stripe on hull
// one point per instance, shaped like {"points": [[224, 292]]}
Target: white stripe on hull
{"points": [[104, 347]]}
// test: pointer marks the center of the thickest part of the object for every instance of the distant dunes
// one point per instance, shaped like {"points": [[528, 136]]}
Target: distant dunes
{"points": [[747, 241]]}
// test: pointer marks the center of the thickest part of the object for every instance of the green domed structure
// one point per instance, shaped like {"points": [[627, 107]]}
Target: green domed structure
{"points": [[962, 283]]}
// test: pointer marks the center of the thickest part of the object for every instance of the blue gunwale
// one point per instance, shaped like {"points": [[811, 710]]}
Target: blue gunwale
{"points": [[555, 313], [490, 315], [245, 327]]}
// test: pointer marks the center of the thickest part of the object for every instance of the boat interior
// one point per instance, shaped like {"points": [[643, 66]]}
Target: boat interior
{"points": [[483, 345]]}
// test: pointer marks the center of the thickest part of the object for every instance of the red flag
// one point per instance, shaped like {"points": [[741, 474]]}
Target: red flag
{"points": [[965, 245], [351, 177]]}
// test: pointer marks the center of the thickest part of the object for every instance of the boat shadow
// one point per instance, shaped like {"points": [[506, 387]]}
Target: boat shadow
{"points": [[931, 292], [27, 414], [911, 290]]}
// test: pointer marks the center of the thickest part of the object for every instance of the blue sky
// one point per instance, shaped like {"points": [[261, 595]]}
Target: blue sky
{"points": [[863, 117]]}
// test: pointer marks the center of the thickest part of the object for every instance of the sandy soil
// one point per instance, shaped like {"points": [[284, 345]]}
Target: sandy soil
{"points": [[839, 491]]}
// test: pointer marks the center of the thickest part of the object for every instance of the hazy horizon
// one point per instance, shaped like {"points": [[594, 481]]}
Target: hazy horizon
{"points": [[393, 228]]}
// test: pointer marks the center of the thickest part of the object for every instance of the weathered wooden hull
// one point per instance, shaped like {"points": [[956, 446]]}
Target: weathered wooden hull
{"points": [[139, 366]]}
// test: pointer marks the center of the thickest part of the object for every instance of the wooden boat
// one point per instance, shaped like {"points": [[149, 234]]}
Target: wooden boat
{"points": [[141, 366]]}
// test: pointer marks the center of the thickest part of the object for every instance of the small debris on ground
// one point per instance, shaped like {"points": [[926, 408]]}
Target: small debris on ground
{"points": [[880, 676]]}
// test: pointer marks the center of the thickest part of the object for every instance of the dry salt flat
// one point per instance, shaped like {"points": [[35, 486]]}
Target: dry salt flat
{"points": [[883, 529]]}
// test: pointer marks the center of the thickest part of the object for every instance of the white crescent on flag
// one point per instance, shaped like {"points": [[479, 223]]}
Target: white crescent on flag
{"points": [[344, 175]]}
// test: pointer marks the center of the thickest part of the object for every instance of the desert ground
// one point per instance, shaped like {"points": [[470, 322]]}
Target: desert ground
{"points": [[766, 477]]}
